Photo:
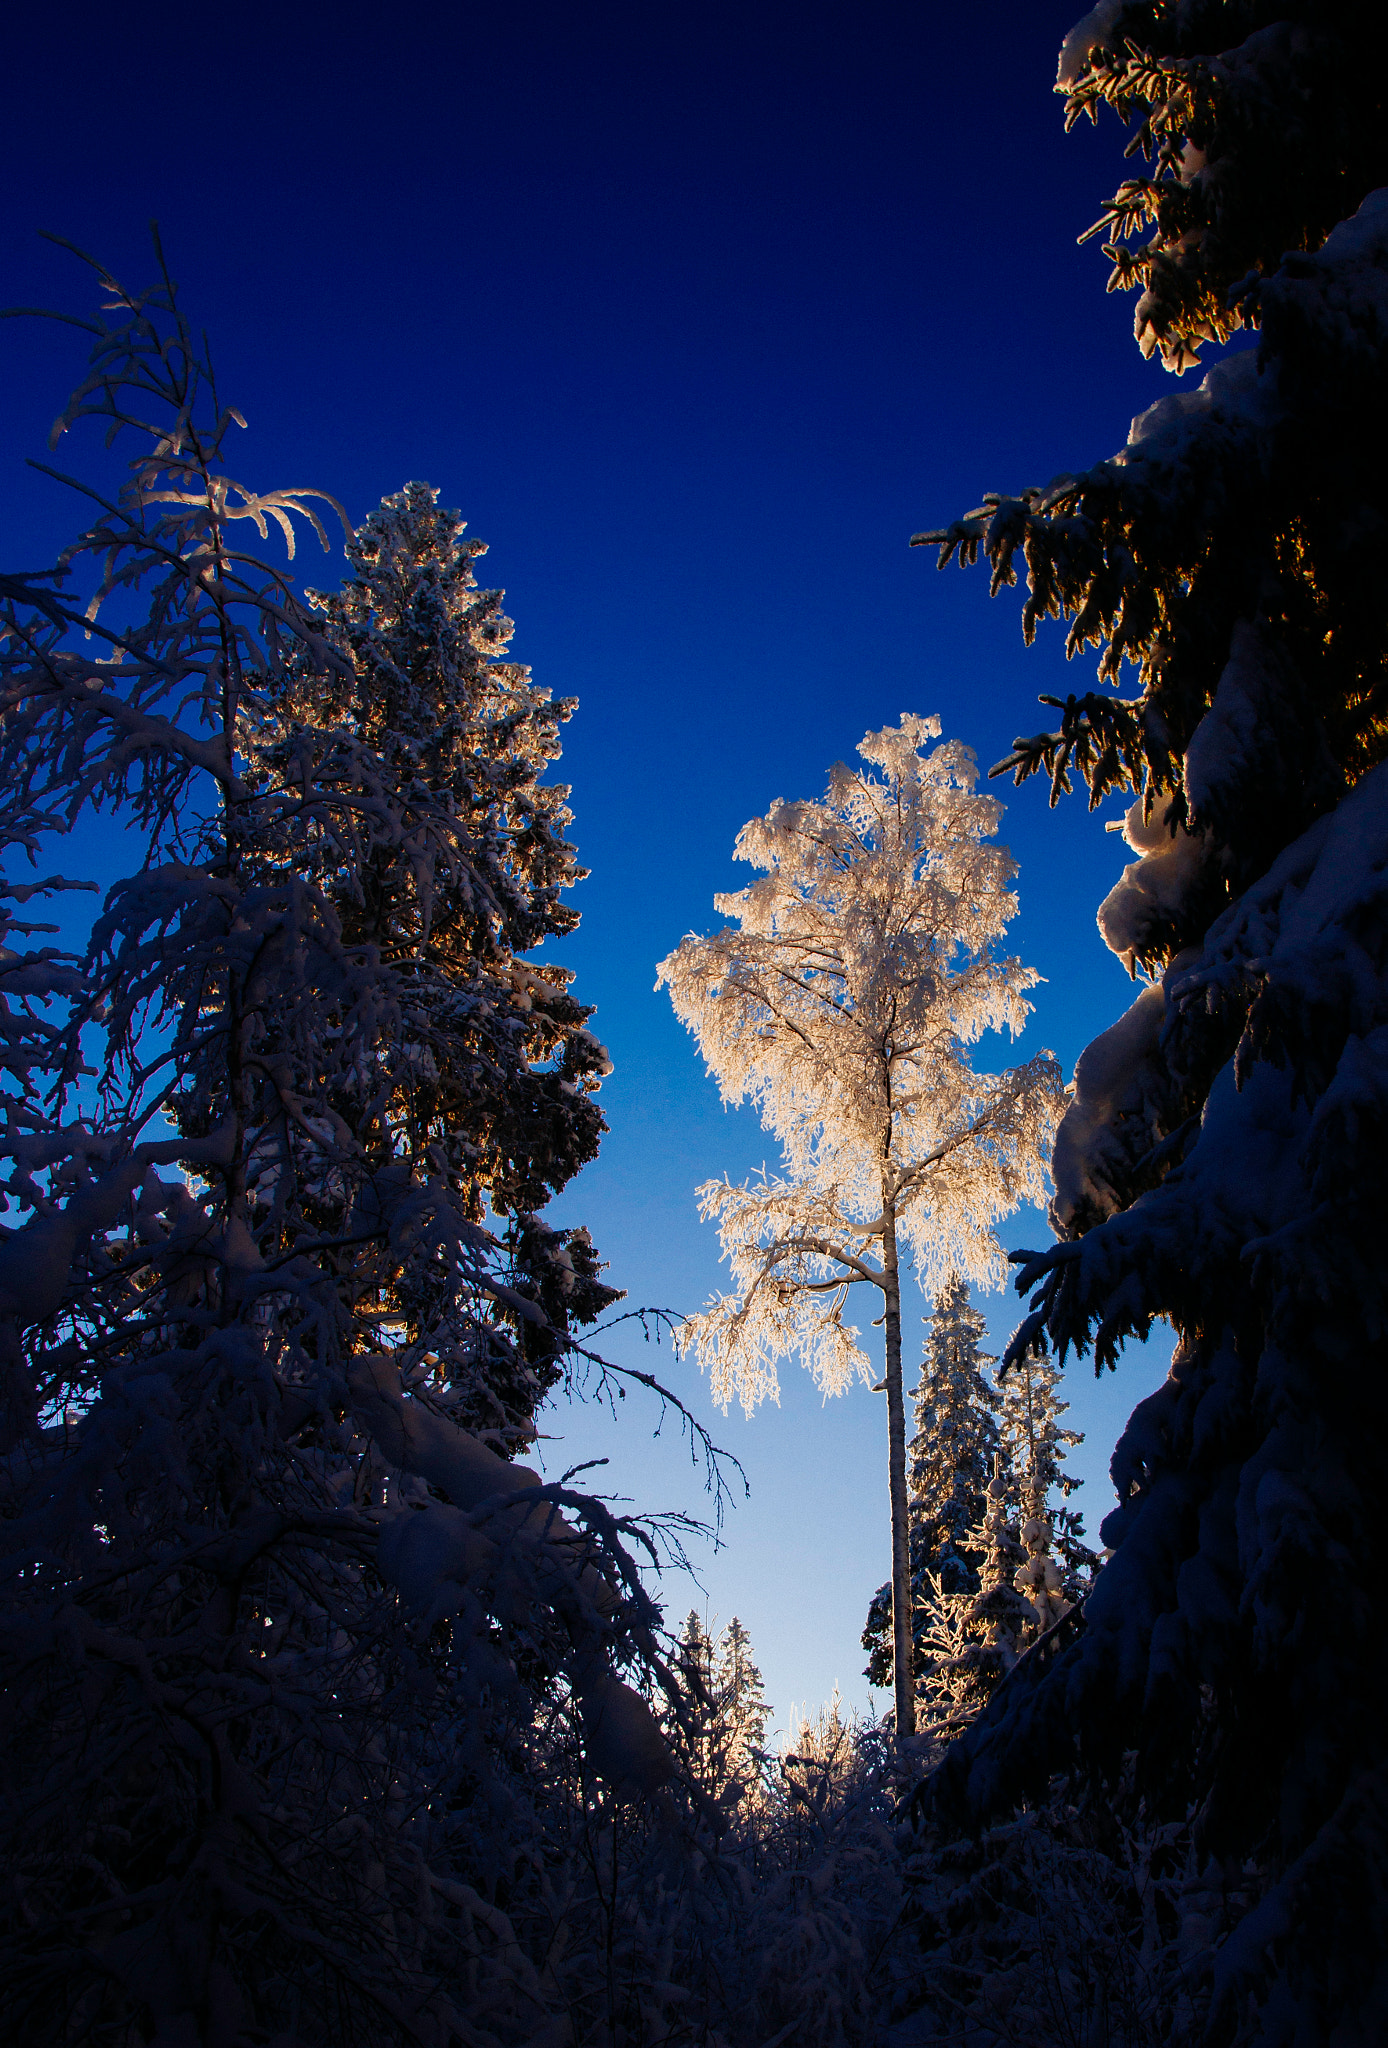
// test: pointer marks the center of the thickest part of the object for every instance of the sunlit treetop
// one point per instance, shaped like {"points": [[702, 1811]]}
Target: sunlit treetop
{"points": [[1257, 125], [844, 1000], [1232, 551]]}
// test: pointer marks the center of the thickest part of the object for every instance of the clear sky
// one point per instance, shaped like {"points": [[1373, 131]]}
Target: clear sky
{"points": [[697, 314]]}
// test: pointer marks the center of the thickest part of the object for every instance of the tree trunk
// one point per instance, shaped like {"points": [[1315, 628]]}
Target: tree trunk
{"points": [[903, 1647]]}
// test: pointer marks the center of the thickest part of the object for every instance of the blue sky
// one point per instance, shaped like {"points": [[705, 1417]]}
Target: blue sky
{"points": [[697, 314]]}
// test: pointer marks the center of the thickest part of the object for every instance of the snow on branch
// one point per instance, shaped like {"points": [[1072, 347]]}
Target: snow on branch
{"points": [[862, 968]]}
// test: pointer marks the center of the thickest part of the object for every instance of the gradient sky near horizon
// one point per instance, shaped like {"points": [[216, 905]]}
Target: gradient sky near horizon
{"points": [[696, 314]]}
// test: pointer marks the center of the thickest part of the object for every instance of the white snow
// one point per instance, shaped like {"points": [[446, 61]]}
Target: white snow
{"points": [[1092, 30], [1150, 890], [1236, 733], [1109, 1083]]}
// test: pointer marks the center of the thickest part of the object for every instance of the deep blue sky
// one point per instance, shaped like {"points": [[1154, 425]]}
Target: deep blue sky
{"points": [[697, 314]]}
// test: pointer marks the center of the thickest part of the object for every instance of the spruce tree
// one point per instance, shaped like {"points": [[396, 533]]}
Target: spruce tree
{"points": [[1032, 1565], [1218, 1164], [746, 1707], [1034, 1444], [1000, 1619], [695, 1731], [418, 807], [950, 1461], [720, 1728]]}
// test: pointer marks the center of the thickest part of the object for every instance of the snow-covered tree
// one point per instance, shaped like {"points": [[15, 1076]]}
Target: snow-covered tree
{"points": [[719, 1731], [1219, 1166], [696, 1732], [966, 1642], [949, 1463], [956, 1436], [999, 1618], [405, 782], [862, 968], [1000, 1560], [1034, 1443], [274, 1628], [747, 1707]]}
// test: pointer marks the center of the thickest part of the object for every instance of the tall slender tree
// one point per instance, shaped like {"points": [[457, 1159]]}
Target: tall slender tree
{"points": [[862, 969], [1221, 1162], [747, 1708]]}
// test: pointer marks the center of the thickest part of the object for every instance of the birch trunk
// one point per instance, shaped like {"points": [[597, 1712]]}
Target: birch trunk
{"points": [[903, 1658]]}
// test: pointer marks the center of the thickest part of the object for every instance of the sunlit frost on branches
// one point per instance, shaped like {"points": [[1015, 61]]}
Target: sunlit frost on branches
{"points": [[862, 968], [844, 1002]]}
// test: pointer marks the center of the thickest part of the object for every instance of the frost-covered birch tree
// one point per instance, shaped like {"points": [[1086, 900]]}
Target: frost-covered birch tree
{"points": [[844, 1001]]}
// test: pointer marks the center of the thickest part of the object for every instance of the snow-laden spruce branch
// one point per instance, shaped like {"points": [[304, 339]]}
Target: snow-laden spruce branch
{"points": [[844, 1001]]}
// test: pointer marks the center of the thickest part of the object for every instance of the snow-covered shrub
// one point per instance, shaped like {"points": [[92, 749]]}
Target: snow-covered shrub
{"points": [[1066, 1926]]}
